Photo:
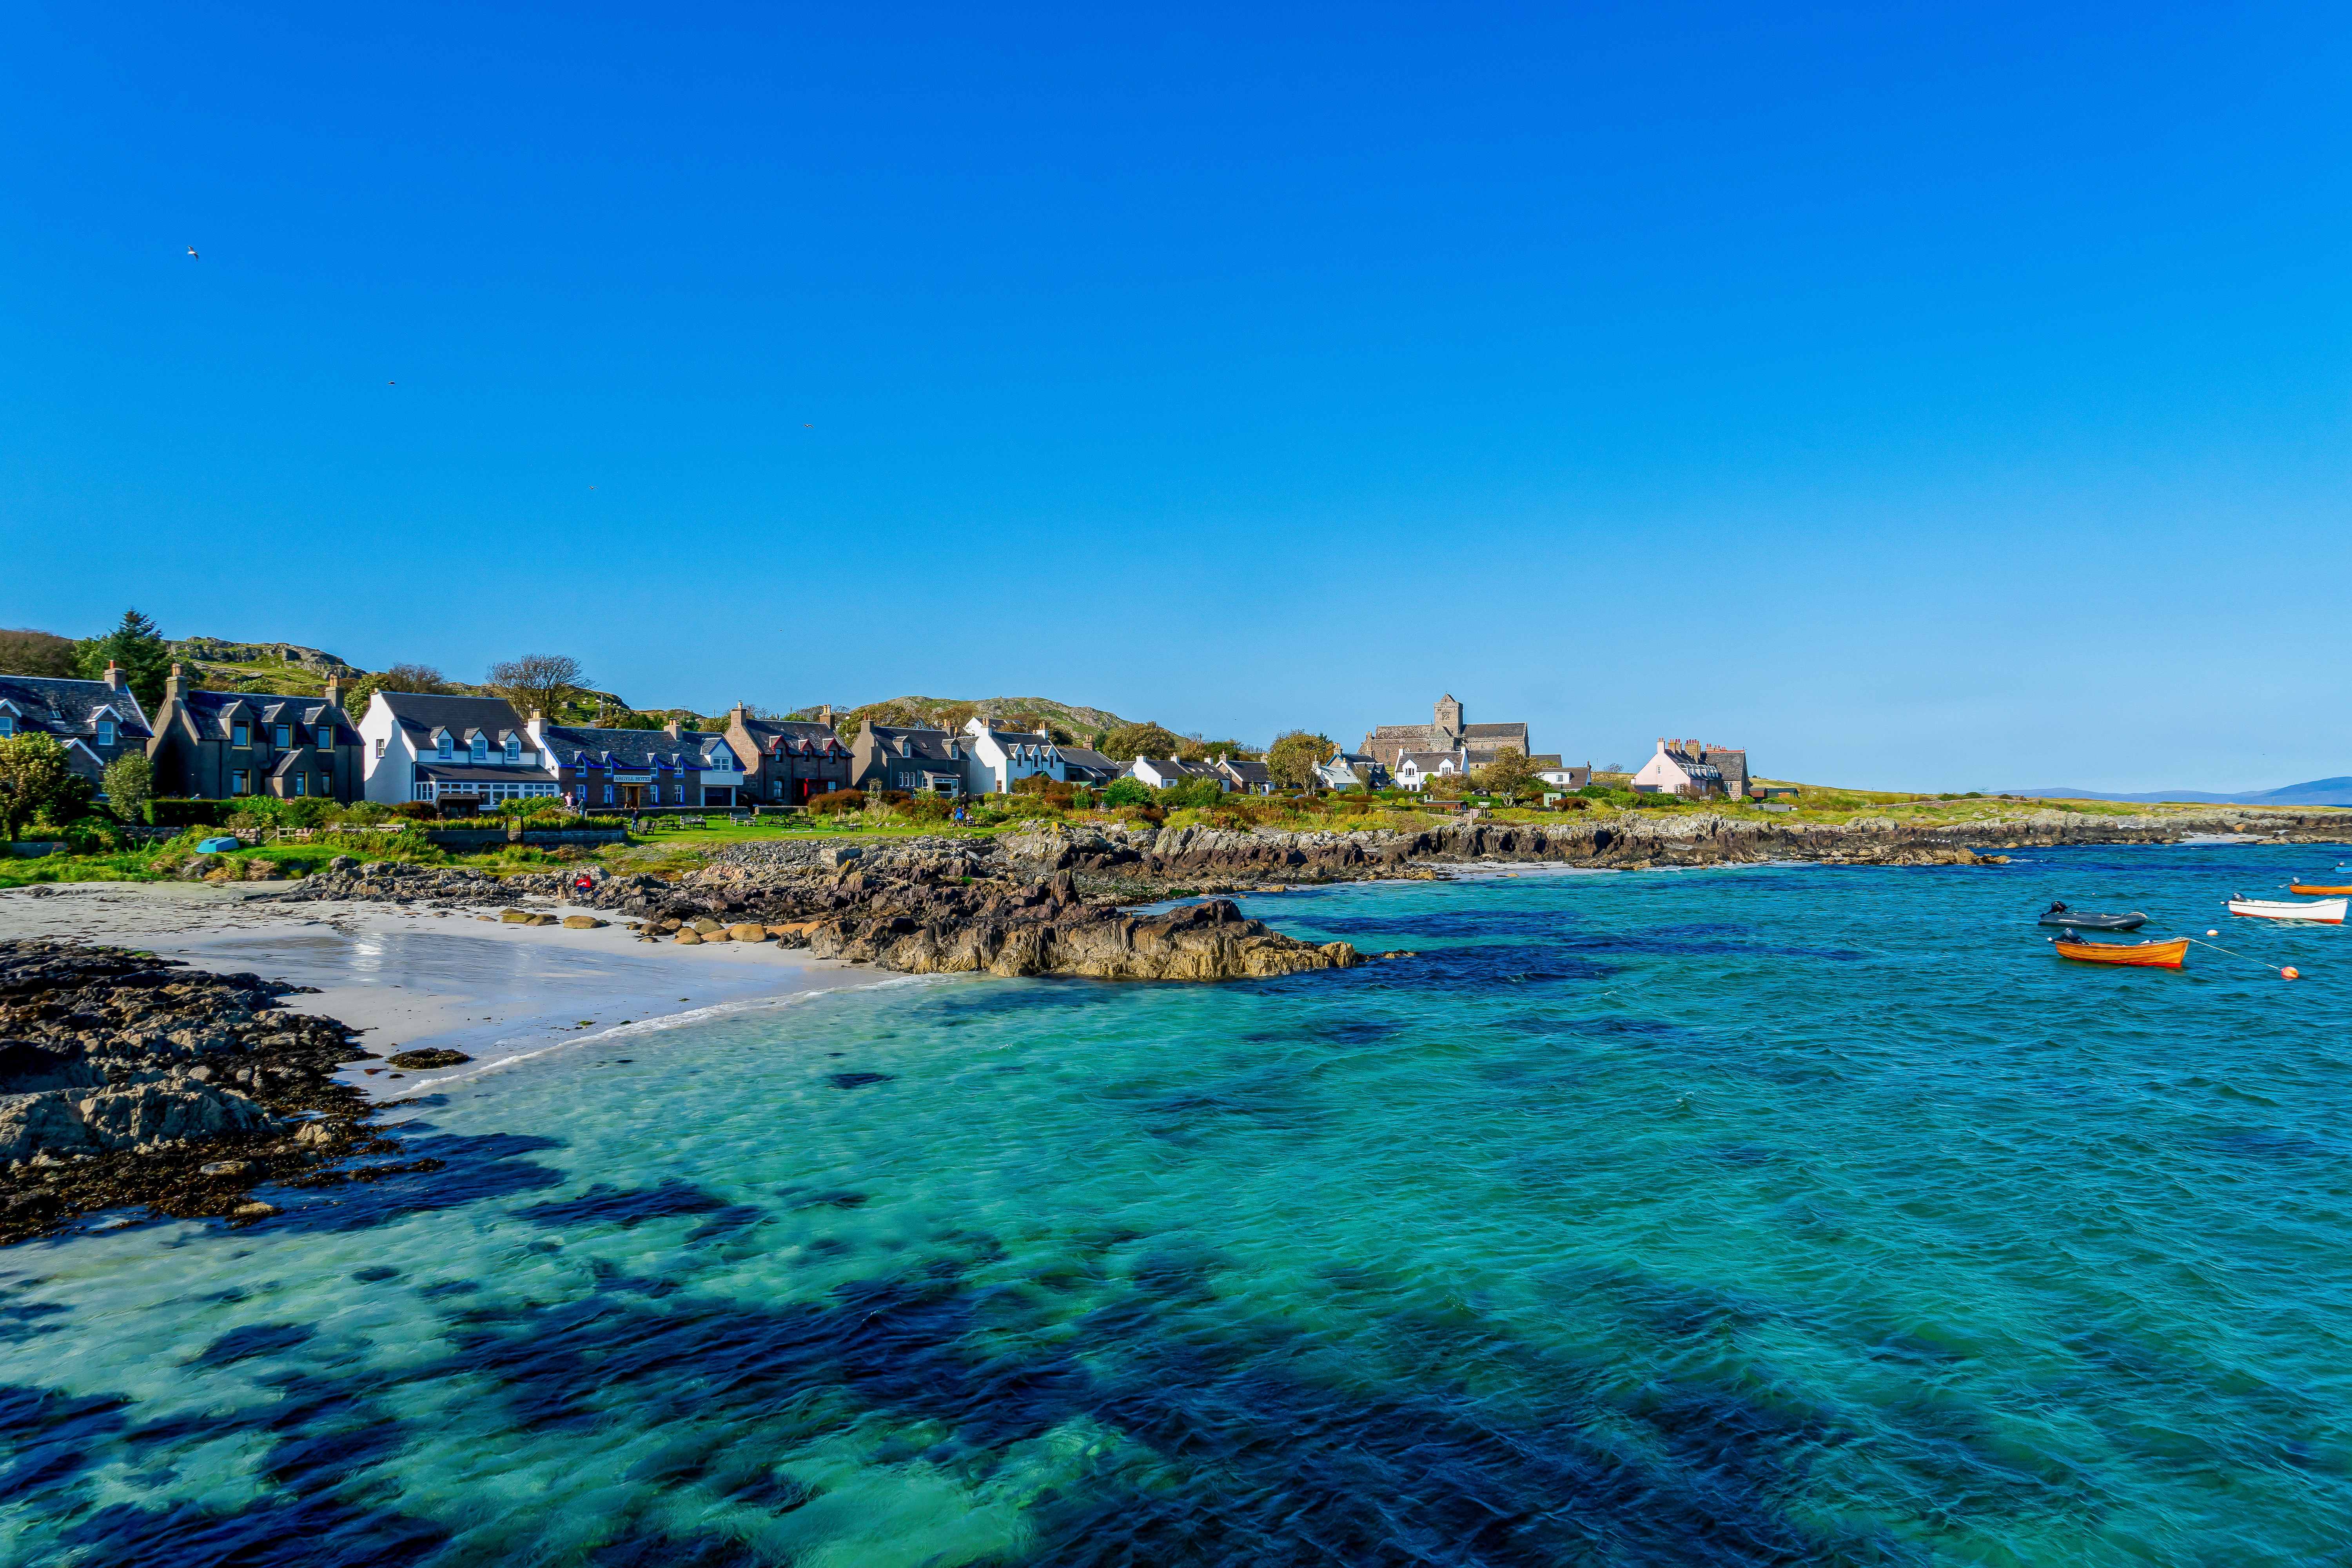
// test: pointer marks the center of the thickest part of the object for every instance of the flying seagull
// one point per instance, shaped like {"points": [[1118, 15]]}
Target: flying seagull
{"points": [[192, 250]]}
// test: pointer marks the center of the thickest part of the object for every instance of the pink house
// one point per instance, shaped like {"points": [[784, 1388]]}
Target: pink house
{"points": [[1693, 768]]}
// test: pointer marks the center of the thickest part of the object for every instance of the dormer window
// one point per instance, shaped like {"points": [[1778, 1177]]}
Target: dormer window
{"points": [[240, 733], [480, 750], [106, 731], [514, 750], [441, 750], [285, 736]]}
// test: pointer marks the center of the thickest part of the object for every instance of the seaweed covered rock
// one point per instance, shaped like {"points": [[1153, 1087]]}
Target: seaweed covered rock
{"points": [[126, 1078]]}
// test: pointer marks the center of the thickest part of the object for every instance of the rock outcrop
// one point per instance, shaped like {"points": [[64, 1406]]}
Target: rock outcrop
{"points": [[126, 1078]]}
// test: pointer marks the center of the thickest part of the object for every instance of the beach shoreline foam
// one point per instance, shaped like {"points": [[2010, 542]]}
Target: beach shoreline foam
{"points": [[410, 977]]}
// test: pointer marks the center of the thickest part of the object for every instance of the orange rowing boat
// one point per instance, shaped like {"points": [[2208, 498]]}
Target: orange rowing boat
{"points": [[2316, 888], [2140, 955]]}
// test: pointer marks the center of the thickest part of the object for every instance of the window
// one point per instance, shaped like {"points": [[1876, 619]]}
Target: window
{"points": [[106, 731], [608, 794], [441, 752], [514, 748], [240, 734], [237, 784], [285, 736], [480, 750], [326, 784], [301, 784], [379, 750], [8, 725]]}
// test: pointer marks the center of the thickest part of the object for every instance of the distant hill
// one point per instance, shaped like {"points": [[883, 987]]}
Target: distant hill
{"points": [[1039, 714], [2317, 791]]}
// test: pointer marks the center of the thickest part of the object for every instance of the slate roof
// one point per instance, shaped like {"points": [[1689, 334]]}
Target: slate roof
{"points": [[929, 745], [797, 737], [1170, 765], [67, 708], [634, 751], [1430, 761], [421, 714], [1248, 774], [214, 712]]}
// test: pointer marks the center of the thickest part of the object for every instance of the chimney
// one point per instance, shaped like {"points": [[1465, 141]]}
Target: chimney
{"points": [[671, 729], [113, 676], [736, 716], [334, 692], [172, 686]]}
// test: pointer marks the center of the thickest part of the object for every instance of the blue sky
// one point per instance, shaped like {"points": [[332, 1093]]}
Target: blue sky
{"points": [[1941, 399]]}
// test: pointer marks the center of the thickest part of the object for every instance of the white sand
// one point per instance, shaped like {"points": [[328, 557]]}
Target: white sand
{"points": [[408, 975]]}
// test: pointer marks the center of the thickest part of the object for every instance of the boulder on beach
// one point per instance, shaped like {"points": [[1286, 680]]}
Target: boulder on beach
{"points": [[431, 1057], [584, 923], [747, 932]]}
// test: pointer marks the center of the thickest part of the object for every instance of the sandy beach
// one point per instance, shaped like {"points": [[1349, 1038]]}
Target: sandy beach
{"points": [[409, 976]]}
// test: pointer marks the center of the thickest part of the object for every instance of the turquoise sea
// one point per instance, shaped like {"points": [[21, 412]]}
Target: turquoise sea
{"points": [[1778, 1214]]}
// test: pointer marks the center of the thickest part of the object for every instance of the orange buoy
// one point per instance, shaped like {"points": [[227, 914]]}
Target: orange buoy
{"points": [[2290, 975], [2212, 933]]}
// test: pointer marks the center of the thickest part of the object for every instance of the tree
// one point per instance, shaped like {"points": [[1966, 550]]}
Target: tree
{"points": [[130, 781], [1509, 774], [28, 652], [139, 647], [536, 681], [1127, 790], [32, 776], [421, 678], [1293, 757], [1129, 741]]}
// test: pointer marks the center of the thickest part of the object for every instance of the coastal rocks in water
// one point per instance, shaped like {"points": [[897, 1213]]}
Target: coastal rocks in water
{"points": [[432, 1057], [131, 1080]]}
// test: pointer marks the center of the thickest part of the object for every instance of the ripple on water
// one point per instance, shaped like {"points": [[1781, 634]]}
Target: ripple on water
{"points": [[1808, 1216]]}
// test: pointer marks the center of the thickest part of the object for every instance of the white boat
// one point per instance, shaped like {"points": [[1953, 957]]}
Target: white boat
{"points": [[2327, 911]]}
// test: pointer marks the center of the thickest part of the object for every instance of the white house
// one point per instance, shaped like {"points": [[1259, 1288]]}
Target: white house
{"points": [[995, 757], [1680, 767], [420, 747], [1161, 773], [1416, 769], [1566, 778]]}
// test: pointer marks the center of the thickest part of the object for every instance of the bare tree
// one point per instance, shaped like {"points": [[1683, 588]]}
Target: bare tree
{"points": [[536, 681], [422, 678]]}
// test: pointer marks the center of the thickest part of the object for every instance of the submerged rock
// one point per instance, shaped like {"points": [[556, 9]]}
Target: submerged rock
{"points": [[432, 1057]]}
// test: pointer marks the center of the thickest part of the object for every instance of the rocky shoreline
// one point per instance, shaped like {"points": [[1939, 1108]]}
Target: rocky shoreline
{"points": [[1048, 900], [128, 1080]]}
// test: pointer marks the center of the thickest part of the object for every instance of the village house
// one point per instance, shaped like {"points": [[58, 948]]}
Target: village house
{"points": [[221, 745], [1244, 776], [421, 746], [640, 770], [1692, 768], [95, 720], [915, 760], [1414, 770], [1477, 744], [1352, 770], [786, 761], [995, 758], [1564, 778], [1082, 765], [1163, 773]]}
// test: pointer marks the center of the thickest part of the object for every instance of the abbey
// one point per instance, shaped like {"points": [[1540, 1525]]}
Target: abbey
{"points": [[1471, 745]]}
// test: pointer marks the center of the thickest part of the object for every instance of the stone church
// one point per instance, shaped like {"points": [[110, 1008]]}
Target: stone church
{"points": [[1474, 745]]}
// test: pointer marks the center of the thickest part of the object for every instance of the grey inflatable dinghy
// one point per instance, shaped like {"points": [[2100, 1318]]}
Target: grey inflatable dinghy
{"points": [[2083, 919]]}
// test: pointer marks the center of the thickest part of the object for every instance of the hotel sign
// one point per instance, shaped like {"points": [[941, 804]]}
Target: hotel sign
{"points": [[633, 778]]}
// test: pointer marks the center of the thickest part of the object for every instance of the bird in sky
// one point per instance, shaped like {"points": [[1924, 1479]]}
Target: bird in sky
{"points": [[192, 250]]}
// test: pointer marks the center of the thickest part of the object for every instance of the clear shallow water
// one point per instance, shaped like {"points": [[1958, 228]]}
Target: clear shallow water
{"points": [[1766, 1215]]}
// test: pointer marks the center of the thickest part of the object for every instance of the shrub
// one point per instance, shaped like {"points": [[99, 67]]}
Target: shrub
{"points": [[835, 802], [1127, 791], [924, 809]]}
